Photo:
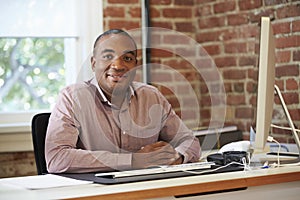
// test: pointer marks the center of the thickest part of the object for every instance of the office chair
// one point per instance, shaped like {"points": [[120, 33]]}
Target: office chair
{"points": [[39, 129]]}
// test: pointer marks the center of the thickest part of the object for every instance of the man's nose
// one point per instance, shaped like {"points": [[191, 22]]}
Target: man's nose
{"points": [[118, 64]]}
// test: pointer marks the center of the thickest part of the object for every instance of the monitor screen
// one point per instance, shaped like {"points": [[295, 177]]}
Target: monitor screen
{"points": [[266, 81]]}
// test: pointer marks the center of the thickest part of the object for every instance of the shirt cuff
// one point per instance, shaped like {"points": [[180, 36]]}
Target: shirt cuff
{"points": [[183, 154], [124, 161]]}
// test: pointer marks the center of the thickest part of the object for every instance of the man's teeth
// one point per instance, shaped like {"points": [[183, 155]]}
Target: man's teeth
{"points": [[117, 76]]}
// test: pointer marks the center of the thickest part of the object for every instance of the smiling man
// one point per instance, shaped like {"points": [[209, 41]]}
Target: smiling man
{"points": [[114, 65], [113, 123]]}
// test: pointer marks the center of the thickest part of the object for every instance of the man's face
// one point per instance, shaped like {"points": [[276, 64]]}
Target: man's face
{"points": [[114, 63]]}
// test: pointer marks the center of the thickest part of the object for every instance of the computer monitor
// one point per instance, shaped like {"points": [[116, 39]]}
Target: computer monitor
{"points": [[266, 89], [266, 81]]}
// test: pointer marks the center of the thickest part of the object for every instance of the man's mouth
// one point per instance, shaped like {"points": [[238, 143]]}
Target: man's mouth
{"points": [[116, 77]]}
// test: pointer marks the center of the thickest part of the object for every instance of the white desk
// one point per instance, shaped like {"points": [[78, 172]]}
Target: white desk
{"points": [[264, 179], [280, 191]]}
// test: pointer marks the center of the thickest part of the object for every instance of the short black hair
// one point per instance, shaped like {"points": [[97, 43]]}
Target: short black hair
{"points": [[114, 31]]}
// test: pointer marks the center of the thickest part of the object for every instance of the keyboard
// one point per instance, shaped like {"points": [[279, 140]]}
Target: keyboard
{"points": [[157, 170]]}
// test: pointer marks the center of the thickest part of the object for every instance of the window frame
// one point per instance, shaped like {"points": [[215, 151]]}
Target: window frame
{"points": [[90, 24]]}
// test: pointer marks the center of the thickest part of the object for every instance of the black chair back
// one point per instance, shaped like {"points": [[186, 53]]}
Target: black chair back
{"points": [[39, 129]]}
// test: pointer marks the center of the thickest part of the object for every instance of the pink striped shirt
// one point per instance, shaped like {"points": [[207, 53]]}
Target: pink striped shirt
{"points": [[87, 133]]}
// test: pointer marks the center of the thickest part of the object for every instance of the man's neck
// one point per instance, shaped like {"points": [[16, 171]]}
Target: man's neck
{"points": [[117, 98]]}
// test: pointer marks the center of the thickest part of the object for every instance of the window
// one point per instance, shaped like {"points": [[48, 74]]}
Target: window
{"points": [[32, 72], [43, 47]]}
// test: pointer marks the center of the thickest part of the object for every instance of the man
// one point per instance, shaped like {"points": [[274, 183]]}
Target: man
{"points": [[113, 123]]}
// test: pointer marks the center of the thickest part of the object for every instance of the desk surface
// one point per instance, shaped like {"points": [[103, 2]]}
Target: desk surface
{"points": [[164, 188]]}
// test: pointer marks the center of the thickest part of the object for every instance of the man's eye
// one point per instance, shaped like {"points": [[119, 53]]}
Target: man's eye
{"points": [[128, 58], [107, 57]]}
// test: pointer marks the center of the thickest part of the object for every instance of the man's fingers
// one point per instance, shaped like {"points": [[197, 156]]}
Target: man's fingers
{"points": [[159, 144], [154, 147], [159, 153], [165, 149]]}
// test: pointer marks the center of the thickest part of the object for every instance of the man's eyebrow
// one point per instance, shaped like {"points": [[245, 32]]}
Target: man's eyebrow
{"points": [[108, 51], [113, 51], [130, 51]]}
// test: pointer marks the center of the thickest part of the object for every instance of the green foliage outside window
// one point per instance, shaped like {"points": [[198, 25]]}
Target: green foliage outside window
{"points": [[32, 72]]}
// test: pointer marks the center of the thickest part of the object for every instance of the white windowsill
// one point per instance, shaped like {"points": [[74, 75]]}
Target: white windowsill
{"points": [[15, 128], [15, 137]]}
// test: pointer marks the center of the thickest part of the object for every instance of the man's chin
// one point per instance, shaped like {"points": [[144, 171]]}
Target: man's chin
{"points": [[119, 87]]}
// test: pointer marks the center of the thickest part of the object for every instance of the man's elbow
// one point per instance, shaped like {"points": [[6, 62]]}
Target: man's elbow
{"points": [[54, 166], [56, 163]]}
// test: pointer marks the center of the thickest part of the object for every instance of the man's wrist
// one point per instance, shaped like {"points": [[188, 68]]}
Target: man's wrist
{"points": [[181, 157]]}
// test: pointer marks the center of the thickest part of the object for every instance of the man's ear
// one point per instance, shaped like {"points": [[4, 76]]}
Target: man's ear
{"points": [[93, 62]]}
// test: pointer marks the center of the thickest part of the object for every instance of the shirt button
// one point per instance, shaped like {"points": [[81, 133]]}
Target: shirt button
{"points": [[124, 132]]}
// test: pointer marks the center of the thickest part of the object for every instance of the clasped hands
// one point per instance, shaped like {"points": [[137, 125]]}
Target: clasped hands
{"points": [[159, 153]]}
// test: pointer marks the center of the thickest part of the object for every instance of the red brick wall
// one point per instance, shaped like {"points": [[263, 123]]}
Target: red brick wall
{"points": [[229, 31]]}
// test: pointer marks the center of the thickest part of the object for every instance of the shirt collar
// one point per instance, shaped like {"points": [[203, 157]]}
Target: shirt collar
{"points": [[104, 99]]}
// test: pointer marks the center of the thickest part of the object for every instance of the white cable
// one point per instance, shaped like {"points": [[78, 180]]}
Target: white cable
{"points": [[246, 165], [271, 139], [284, 128]]}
